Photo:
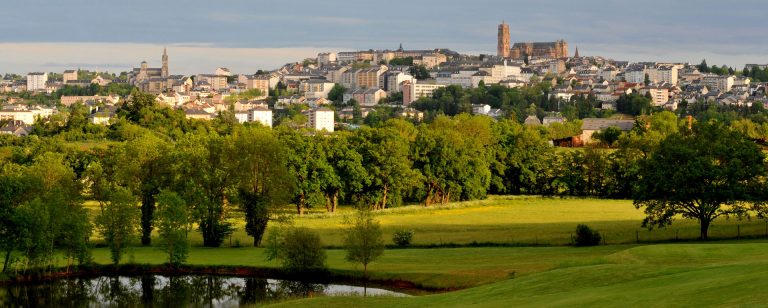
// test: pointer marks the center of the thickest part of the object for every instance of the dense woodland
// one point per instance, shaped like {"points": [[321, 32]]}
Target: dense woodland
{"points": [[196, 173]]}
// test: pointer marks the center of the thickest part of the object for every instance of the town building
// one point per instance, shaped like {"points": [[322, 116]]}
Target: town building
{"points": [[366, 97], [414, 90], [261, 115], [321, 119], [315, 88], [69, 75], [37, 81]]}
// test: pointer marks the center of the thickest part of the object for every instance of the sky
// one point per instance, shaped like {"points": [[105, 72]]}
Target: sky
{"points": [[247, 35]]}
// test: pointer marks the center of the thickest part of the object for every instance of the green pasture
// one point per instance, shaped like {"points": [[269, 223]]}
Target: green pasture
{"points": [[525, 221], [661, 275]]}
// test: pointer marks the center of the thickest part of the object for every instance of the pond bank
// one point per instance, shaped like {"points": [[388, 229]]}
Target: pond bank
{"points": [[322, 277]]}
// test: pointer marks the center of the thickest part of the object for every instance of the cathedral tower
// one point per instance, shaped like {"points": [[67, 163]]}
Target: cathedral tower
{"points": [[164, 69], [502, 49]]}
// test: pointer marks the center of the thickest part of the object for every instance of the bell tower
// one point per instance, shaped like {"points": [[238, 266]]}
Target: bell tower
{"points": [[164, 69], [503, 48]]}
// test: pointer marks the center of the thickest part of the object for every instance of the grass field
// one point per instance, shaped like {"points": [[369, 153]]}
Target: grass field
{"points": [[661, 275], [509, 220], [719, 273]]}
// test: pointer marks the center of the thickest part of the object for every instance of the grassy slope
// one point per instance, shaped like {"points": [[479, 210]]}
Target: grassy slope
{"points": [[658, 275]]}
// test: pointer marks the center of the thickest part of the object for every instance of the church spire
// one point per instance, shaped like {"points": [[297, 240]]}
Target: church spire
{"points": [[577, 52]]}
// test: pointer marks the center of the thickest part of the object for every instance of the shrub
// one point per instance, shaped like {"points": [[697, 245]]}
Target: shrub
{"points": [[402, 238], [585, 236], [298, 249]]}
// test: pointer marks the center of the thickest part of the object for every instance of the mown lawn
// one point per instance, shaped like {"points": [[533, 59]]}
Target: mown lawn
{"points": [[661, 275]]}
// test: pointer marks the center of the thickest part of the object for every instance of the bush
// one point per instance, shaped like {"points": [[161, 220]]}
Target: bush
{"points": [[585, 236], [298, 249], [402, 238]]}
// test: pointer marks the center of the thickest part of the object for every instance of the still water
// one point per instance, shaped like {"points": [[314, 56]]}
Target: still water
{"points": [[170, 291]]}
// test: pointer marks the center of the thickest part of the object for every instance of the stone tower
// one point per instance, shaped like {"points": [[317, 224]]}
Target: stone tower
{"points": [[164, 70], [503, 48]]}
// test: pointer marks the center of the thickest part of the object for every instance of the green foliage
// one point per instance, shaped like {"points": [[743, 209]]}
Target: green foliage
{"points": [[407, 61], [264, 179], [726, 167], [633, 104], [299, 250], [585, 236], [118, 221], [336, 95], [419, 72], [206, 171], [402, 238], [172, 221], [608, 136], [362, 239]]}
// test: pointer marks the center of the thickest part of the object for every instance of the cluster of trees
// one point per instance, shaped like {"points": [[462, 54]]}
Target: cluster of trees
{"points": [[517, 103], [172, 175], [757, 74]]}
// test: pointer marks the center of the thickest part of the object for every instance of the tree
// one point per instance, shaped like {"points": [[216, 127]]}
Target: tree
{"points": [[141, 165], [264, 178], [172, 220], [363, 239], [349, 176], [608, 136], [298, 249], [728, 171], [336, 95], [385, 154], [306, 161], [117, 222], [206, 177], [703, 66], [419, 72], [522, 156]]}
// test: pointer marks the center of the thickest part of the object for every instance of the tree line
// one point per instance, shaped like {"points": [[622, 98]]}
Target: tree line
{"points": [[176, 176]]}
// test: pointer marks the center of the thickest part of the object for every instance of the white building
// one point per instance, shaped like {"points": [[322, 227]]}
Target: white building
{"points": [[315, 88], [321, 119], [635, 74], [264, 116], [720, 83], [663, 73], [24, 114], [326, 58], [414, 91], [36, 81]]}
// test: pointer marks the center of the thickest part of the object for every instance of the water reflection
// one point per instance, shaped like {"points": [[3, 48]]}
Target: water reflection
{"points": [[170, 291]]}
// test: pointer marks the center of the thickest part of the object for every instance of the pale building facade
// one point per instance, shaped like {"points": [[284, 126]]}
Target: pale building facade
{"points": [[37, 81]]}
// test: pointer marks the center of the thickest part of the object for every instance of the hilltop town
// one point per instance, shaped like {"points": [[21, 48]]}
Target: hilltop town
{"points": [[340, 89]]}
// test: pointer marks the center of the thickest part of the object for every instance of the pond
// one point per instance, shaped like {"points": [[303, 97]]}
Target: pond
{"points": [[171, 291]]}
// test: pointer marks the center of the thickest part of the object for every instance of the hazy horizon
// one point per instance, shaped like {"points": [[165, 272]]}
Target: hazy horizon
{"points": [[246, 36]]}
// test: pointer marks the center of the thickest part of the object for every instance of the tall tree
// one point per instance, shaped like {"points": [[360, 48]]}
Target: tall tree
{"points": [[362, 239], [349, 176], [307, 162], [206, 177], [385, 153], [264, 178], [142, 165], [728, 171], [172, 220], [118, 221]]}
